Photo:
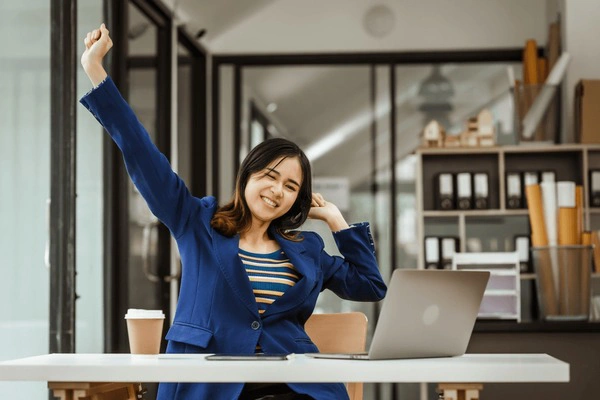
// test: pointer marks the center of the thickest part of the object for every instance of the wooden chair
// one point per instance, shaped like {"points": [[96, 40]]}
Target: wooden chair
{"points": [[340, 333]]}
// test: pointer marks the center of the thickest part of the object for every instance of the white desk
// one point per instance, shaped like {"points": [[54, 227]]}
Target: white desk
{"points": [[476, 368]]}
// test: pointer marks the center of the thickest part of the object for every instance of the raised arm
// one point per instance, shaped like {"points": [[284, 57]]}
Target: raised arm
{"points": [[97, 44], [164, 192], [355, 276]]}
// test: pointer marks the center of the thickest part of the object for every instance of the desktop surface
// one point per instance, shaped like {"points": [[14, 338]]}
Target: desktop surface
{"points": [[298, 368]]}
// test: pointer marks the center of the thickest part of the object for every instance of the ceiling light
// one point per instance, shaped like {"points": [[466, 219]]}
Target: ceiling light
{"points": [[271, 107]]}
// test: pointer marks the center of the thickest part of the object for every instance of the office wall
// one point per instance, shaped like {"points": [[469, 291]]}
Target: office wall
{"points": [[289, 26], [581, 30]]}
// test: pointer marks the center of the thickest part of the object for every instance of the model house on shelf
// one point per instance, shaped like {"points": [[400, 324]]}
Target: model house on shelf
{"points": [[480, 131], [486, 133], [433, 135], [452, 141]]}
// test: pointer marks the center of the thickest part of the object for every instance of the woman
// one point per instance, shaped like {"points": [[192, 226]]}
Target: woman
{"points": [[249, 282]]}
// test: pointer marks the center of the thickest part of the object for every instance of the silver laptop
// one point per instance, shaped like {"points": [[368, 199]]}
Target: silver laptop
{"points": [[426, 313]]}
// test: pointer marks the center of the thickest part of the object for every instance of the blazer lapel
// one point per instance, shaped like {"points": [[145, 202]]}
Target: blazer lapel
{"points": [[297, 294], [227, 254]]}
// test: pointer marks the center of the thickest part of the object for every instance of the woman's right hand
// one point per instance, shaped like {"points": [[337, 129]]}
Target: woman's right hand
{"points": [[97, 44]]}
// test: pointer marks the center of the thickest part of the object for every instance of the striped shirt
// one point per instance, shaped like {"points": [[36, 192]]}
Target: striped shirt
{"points": [[270, 275]]}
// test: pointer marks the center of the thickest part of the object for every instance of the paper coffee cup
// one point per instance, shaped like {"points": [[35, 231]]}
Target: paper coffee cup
{"points": [[144, 328]]}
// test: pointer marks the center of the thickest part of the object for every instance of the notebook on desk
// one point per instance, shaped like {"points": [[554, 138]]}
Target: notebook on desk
{"points": [[426, 313]]}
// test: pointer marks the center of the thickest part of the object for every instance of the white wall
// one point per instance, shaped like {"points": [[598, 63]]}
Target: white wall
{"points": [[581, 31], [291, 26]]}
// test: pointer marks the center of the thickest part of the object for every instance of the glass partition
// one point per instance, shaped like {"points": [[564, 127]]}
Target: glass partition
{"points": [[89, 308], [327, 111], [24, 187]]}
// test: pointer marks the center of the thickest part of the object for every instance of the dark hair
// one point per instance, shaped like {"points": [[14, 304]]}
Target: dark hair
{"points": [[235, 217]]}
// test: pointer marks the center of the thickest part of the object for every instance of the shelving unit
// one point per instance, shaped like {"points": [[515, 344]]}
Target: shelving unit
{"points": [[568, 161], [494, 229]]}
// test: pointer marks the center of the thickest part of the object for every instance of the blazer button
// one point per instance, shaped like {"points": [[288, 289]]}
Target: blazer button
{"points": [[255, 325]]}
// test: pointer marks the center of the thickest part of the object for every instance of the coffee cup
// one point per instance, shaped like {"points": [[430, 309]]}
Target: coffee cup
{"points": [[144, 328]]}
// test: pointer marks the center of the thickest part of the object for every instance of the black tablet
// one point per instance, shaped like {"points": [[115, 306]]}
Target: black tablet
{"points": [[247, 357]]}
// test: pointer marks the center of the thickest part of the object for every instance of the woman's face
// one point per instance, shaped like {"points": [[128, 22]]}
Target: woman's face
{"points": [[271, 193]]}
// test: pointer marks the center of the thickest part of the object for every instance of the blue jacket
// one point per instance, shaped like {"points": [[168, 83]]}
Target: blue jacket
{"points": [[217, 311]]}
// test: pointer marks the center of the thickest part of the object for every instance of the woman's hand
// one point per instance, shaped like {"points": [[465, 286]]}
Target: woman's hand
{"points": [[97, 44], [328, 212]]}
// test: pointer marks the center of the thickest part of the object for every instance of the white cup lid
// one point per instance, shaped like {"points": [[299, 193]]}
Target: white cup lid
{"points": [[138, 313]]}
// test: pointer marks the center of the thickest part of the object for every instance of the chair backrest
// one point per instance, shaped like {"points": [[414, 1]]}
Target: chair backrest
{"points": [[340, 333]]}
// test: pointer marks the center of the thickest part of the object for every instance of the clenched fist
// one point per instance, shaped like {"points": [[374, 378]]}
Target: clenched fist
{"points": [[97, 44]]}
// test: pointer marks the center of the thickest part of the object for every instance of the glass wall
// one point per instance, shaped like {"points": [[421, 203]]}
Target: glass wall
{"points": [[89, 309], [25, 192], [24, 186], [449, 94], [329, 111]]}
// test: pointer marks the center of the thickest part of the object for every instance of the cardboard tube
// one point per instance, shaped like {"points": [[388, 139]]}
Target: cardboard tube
{"points": [[579, 207], [567, 226], [547, 282], [530, 63], [543, 261], [543, 99], [570, 279], [539, 237], [596, 243], [586, 238], [569, 267], [585, 290], [550, 211]]}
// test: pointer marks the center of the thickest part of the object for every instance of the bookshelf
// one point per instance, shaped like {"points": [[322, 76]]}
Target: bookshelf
{"points": [[494, 228]]}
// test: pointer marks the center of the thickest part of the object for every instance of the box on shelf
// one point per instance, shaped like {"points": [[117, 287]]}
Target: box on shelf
{"points": [[587, 104], [502, 297]]}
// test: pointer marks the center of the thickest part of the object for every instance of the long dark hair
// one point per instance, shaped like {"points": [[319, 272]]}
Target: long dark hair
{"points": [[235, 217]]}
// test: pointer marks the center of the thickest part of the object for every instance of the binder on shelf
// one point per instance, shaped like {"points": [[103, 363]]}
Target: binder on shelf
{"points": [[514, 195], [432, 252], [448, 246], [522, 246], [445, 192], [464, 192], [595, 188], [481, 190], [548, 176], [567, 213], [529, 178]]}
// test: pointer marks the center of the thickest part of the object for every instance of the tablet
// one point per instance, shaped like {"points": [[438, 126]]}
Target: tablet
{"points": [[247, 357]]}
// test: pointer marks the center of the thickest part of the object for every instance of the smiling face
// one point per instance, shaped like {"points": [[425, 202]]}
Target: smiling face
{"points": [[272, 192]]}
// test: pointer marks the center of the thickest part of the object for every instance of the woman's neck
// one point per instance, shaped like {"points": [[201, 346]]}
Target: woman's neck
{"points": [[258, 241]]}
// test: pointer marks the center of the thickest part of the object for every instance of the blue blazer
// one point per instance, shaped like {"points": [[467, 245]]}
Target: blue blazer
{"points": [[217, 311]]}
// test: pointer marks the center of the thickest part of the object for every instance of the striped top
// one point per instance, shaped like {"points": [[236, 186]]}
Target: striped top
{"points": [[270, 275]]}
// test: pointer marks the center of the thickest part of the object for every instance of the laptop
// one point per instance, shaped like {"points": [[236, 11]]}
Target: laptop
{"points": [[426, 313]]}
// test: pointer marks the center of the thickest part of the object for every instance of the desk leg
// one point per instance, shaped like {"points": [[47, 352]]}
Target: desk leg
{"points": [[63, 394], [459, 391], [94, 391]]}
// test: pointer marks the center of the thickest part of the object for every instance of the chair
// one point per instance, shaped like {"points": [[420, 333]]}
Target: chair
{"points": [[340, 333]]}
